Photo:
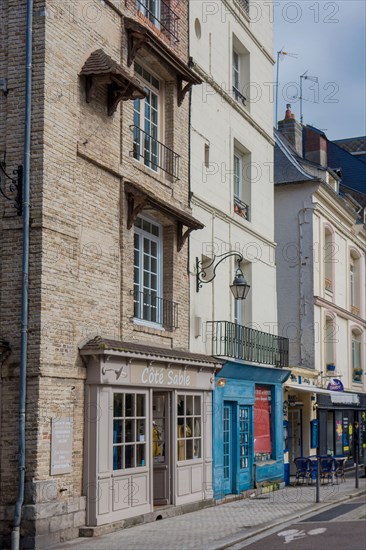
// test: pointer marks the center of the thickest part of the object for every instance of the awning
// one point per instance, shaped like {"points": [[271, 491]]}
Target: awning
{"points": [[335, 396], [138, 198], [100, 68], [139, 35]]}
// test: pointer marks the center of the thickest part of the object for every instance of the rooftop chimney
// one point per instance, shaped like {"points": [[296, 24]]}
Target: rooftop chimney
{"points": [[291, 130], [315, 147]]}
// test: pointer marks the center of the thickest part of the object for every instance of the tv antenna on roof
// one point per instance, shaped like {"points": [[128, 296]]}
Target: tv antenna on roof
{"points": [[280, 55], [305, 76]]}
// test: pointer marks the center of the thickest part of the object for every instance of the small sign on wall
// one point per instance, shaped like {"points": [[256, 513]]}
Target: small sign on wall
{"points": [[61, 446]]}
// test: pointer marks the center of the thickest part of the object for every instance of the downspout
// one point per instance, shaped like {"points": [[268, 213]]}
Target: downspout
{"points": [[15, 535]]}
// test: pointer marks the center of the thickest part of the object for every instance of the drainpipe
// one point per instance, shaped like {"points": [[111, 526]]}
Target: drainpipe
{"points": [[15, 534]]}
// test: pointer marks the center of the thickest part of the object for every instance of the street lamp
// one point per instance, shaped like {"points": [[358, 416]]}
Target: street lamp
{"points": [[239, 287]]}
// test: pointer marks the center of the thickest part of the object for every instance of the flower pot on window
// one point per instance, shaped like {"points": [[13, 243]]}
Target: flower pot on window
{"points": [[331, 367], [357, 372]]}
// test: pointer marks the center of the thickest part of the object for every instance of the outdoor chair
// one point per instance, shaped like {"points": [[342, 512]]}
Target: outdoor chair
{"points": [[340, 462], [304, 468], [327, 468]]}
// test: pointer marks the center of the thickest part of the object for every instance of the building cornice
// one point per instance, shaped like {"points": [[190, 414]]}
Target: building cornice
{"points": [[340, 311], [217, 213], [232, 102]]}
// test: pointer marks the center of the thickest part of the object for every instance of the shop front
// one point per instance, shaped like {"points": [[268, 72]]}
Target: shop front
{"points": [[148, 429], [299, 414], [247, 427], [338, 411]]}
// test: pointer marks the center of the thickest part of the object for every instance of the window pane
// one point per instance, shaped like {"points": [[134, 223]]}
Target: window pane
{"points": [[117, 458], [181, 407], [129, 431], [181, 449], [189, 446], [189, 405], [197, 426], [129, 456], [140, 455], [141, 432], [117, 431], [130, 399], [117, 404], [140, 405], [197, 405], [189, 427]]}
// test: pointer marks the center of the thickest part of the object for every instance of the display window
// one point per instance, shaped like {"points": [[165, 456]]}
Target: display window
{"points": [[262, 423], [129, 430], [189, 426]]}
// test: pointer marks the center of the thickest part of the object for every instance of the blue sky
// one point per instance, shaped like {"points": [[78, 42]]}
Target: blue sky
{"points": [[329, 40]]}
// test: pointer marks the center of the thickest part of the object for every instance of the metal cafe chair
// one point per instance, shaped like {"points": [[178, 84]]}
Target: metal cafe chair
{"points": [[304, 468], [327, 468], [340, 463]]}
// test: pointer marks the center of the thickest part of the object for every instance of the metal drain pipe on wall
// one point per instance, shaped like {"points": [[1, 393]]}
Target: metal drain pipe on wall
{"points": [[15, 535]]}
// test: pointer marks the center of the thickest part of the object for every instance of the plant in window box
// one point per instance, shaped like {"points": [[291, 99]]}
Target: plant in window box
{"points": [[331, 367], [357, 375]]}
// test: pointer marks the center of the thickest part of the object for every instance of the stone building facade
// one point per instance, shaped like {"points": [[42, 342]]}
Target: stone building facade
{"points": [[108, 284]]}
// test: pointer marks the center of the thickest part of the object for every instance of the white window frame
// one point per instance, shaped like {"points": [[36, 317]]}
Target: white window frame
{"points": [[193, 437], [158, 240], [238, 175], [134, 418], [147, 124], [236, 71], [356, 354]]}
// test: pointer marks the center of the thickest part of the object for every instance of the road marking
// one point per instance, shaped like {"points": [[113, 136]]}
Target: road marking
{"points": [[294, 534]]}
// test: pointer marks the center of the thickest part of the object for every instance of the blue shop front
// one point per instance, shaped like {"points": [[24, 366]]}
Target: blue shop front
{"points": [[247, 427]]}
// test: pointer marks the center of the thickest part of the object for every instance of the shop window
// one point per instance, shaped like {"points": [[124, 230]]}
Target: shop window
{"points": [[189, 429], [330, 432], [129, 430], [262, 424]]}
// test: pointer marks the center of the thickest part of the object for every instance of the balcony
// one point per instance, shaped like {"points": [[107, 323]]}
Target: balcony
{"points": [[164, 19], [154, 154], [241, 208], [328, 284], [238, 96], [152, 309], [247, 344]]}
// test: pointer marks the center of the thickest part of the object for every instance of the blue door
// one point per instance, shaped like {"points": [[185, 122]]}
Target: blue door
{"points": [[228, 486]]}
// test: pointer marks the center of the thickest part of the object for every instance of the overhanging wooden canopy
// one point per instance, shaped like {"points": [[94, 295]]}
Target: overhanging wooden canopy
{"points": [[139, 36], [100, 68], [139, 198]]}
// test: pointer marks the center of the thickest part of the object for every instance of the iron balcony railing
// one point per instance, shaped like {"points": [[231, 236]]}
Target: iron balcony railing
{"points": [[248, 344], [151, 308], [241, 208], [238, 96], [164, 18], [244, 4], [154, 154]]}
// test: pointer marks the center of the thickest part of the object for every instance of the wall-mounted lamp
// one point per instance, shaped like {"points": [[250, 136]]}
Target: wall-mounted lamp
{"points": [[221, 382], [239, 287]]}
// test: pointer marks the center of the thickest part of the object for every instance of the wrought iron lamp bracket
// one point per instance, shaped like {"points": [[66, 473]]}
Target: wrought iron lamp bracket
{"points": [[14, 186], [201, 271]]}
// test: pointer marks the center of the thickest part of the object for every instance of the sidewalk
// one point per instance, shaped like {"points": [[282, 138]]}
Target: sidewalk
{"points": [[217, 527]]}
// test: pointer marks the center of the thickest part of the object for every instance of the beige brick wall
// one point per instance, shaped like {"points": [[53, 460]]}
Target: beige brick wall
{"points": [[81, 255]]}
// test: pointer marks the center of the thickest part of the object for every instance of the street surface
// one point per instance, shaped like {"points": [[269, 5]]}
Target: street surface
{"points": [[235, 524], [339, 528]]}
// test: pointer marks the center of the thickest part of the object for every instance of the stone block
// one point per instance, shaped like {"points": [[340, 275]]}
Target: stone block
{"points": [[79, 518], [41, 491], [61, 522]]}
